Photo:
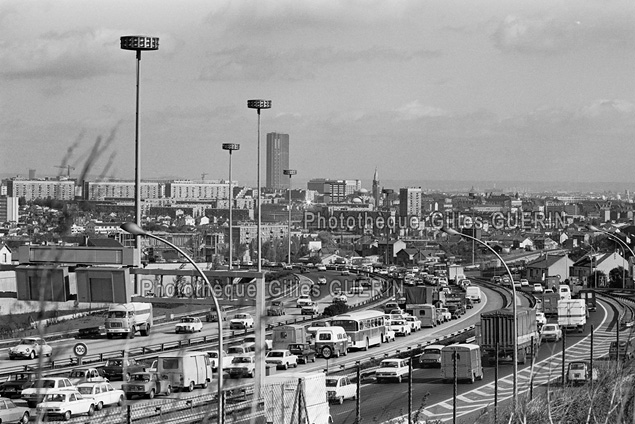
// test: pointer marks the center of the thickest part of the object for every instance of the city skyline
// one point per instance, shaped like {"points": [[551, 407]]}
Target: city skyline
{"points": [[495, 91]]}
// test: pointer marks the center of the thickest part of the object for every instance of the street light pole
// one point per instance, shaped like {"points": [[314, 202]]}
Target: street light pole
{"points": [[290, 173], [230, 147], [615, 238], [258, 105], [138, 43], [134, 229], [452, 231]]}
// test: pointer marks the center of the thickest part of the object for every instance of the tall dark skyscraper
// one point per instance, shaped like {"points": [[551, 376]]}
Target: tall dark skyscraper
{"points": [[277, 161]]}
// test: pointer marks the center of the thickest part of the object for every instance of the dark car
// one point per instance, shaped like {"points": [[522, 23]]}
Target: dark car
{"points": [[18, 381], [304, 352], [122, 369]]}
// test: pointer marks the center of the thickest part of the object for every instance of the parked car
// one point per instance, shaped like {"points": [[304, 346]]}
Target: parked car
{"points": [[102, 394], [147, 384], [16, 382], [12, 413], [66, 404], [281, 358], [551, 332], [276, 308], [189, 325], [43, 387], [311, 309], [303, 300], [340, 388], [242, 366], [30, 348], [242, 321], [122, 369], [400, 327], [392, 369]]}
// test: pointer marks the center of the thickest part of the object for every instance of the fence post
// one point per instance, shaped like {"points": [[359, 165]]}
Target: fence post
{"points": [[129, 414], [358, 400]]}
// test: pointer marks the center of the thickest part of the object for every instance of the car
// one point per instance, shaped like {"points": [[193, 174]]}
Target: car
{"points": [[86, 375], [238, 350], [189, 325], [541, 319], [250, 342], [311, 309], [320, 267], [496, 279], [303, 300], [340, 298], [304, 352], [66, 404], [242, 321], [213, 358], [44, 386], [415, 323], [548, 291], [242, 366], [12, 413], [287, 266], [322, 281], [445, 314], [524, 283], [537, 288], [392, 369], [102, 394], [345, 271], [468, 303], [16, 382], [357, 289], [579, 372], [147, 384], [340, 388], [30, 348], [400, 327], [281, 358], [389, 335], [276, 308], [122, 368], [431, 356], [551, 332], [390, 306]]}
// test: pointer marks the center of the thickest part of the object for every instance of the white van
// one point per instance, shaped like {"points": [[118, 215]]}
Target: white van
{"points": [[331, 341], [468, 362], [186, 370], [473, 293], [564, 291]]}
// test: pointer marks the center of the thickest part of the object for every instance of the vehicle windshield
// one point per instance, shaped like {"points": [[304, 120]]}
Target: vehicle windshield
{"points": [[432, 352], [577, 366], [55, 397], [212, 354], [241, 360], [187, 319], [27, 341], [142, 377], [21, 377], [398, 323], [347, 324], [114, 363], [549, 328], [85, 390], [116, 314], [276, 354], [331, 382], [77, 373], [389, 365], [48, 384]]}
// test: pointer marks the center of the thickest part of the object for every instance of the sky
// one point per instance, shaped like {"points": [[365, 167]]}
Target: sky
{"points": [[536, 90]]}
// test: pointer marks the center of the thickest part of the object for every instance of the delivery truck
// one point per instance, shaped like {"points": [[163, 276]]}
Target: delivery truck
{"points": [[572, 314], [126, 319], [296, 398], [549, 302], [468, 362], [426, 313], [494, 334], [284, 335]]}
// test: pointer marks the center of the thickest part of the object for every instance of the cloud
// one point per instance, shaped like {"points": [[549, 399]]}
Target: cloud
{"points": [[416, 110], [71, 55]]}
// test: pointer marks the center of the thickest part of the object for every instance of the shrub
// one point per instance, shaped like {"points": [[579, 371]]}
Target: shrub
{"points": [[335, 309]]}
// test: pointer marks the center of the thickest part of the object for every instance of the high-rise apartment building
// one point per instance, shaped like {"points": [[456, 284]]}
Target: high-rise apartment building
{"points": [[277, 161], [410, 201]]}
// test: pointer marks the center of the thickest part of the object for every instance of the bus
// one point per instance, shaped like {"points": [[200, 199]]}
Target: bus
{"points": [[365, 328]]}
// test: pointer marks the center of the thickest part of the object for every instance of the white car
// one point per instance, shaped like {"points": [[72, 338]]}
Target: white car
{"points": [[242, 366], [389, 336], [400, 327], [30, 348], [102, 394], [340, 298], [311, 309], [213, 358], [86, 375], [415, 323], [541, 319], [304, 300], [392, 369], [538, 288], [43, 387], [65, 404], [281, 358], [340, 388], [242, 321], [188, 325], [445, 314], [551, 332], [320, 267], [524, 282]]}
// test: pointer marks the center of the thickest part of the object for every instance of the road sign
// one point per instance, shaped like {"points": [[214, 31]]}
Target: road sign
{"points": [[80, 349]]}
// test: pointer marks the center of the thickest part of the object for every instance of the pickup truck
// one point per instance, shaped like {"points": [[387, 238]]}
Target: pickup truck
{"points": [[303, 351]]}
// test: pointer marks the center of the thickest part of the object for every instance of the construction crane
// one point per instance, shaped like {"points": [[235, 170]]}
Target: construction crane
{"points": [[68, 168]]}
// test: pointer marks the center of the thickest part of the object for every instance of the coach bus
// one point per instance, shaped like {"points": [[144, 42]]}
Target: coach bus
{"points": [[365, 328]]}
